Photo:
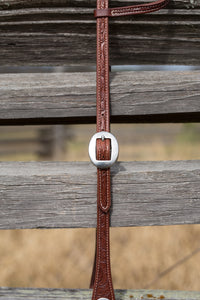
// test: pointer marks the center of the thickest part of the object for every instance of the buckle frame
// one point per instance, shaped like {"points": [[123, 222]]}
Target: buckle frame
{"points": [[103, 164]]}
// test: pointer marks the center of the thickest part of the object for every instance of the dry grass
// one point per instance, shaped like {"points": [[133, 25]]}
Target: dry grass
{"points": [[63, 258]]}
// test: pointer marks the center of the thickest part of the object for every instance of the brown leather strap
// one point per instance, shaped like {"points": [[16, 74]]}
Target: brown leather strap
{"points": [[101, 280], [130, 10]]}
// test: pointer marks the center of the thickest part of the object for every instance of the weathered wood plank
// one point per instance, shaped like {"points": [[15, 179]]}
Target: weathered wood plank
{"points": [[52, 36], [70, 97], [48, 195], [52, 294], [11, 4]]}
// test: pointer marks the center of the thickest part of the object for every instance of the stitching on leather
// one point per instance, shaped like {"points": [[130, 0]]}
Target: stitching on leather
{"points": [[98, 259], [98, 70], [107, 77], [117, 11], [107, 241], [131, 10], [100, 200], [107, 255], [104, 208], [108, 189], [103, 124]]}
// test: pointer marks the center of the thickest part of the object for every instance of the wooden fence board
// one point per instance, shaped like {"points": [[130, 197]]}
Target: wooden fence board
{"points": [[48, 195], [52, 294], [11, 4], [52, 36], [158, 96]]}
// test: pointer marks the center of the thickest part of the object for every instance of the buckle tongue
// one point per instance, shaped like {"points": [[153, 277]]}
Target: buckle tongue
{"points": [[103, 164]]}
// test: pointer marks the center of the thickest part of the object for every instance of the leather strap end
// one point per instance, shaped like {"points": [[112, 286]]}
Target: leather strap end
{"points": [[130, 10]]}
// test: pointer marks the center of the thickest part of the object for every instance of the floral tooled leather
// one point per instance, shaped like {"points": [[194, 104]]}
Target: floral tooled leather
{"points": [[103, 287], [101, 281]]}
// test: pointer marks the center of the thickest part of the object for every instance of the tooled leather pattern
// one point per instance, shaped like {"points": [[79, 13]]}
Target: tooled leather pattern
{"points": [[103, 184], [103, 281], [102, 72], [102, 285]]}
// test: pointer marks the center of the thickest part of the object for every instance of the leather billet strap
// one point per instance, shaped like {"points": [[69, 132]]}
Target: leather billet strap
{"points": [[101, 280]]}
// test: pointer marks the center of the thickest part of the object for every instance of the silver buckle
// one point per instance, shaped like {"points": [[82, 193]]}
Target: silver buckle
{"points": [[103, 164]]}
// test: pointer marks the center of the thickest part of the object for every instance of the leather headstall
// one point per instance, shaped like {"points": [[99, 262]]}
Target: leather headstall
{"points": [[103, 147]]}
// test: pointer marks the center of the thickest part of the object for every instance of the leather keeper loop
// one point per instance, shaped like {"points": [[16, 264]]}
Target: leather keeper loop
{"points": [[99, 13]]}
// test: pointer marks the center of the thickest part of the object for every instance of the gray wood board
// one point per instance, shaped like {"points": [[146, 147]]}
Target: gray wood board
{"points": [[52, 294], [160, 96], [11, 4], [63, 36], [63, 194]]}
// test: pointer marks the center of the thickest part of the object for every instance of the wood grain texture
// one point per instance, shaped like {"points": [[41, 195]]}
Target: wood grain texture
{"points": [[11, 4], [158, 96], [67, 35], [60, 195], [52, 294]]}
